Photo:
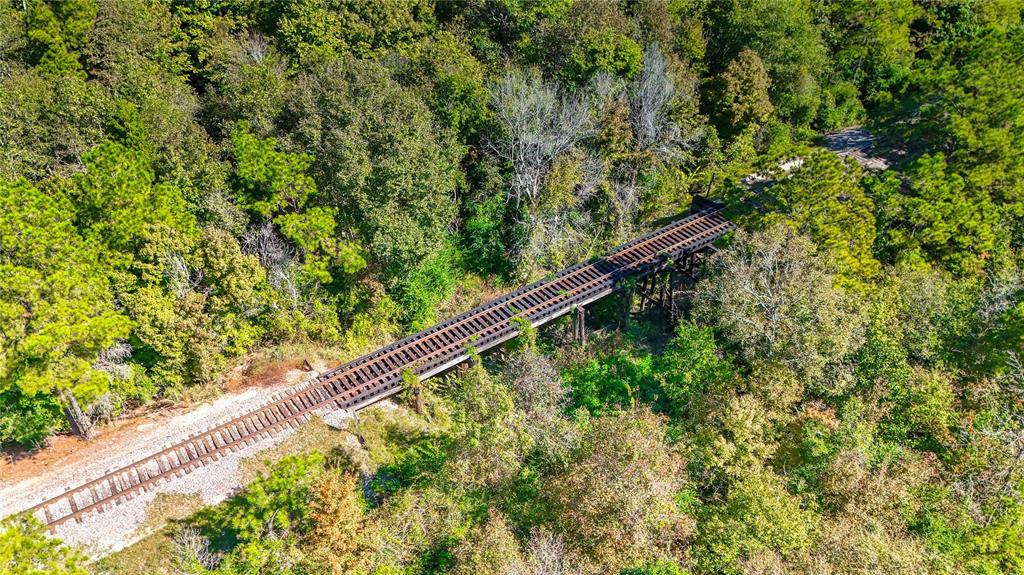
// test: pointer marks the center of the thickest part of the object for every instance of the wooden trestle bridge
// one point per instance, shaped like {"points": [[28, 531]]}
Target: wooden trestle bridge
{"points": [[634, 266]]}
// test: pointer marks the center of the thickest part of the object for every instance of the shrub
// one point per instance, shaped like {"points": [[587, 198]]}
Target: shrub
{"points": [[28, 420]]}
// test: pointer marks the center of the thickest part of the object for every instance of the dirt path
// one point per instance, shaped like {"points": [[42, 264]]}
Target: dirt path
{"points": [[857, 143]]}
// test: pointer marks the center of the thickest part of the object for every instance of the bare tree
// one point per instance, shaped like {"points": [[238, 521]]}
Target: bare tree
{"points": [[651, 99], [553, 240], [192, 551], [537, 389], [113, 360], [1000, 294], [626, 200], [546, 555], [1012, 376], [179, 278], [988, 490], [275, 255], [256, 47], [538, 125]]}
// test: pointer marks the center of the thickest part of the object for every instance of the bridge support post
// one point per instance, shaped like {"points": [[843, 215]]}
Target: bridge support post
{"points": [[627, 307], [673, 307], [579, 325]]}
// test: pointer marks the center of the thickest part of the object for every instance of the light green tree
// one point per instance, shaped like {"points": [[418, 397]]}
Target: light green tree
{"points": [[57, 32], [57, 308], [26, 549], [757, 515], [488, 548], [773, 296], [616, 500], [489, 432], [823, 198], [933, 215], [119, 204], [323, 29]]}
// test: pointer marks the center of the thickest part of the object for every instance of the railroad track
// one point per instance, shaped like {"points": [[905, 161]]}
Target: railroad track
{"points": [[379, 374]]}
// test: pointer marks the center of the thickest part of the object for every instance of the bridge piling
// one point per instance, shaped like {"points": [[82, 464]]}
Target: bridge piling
{"points": [[579, 326]]}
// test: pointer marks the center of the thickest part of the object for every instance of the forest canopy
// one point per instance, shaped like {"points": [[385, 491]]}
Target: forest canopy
{"points": [[185, 183]]}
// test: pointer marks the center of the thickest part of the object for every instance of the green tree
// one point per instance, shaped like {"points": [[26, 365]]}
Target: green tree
{"points": [[51, 122], [278, 501], [120, 205], [274, 185], [745, 91], [56, 34], [329, 28], [381, 162], [56, 304], [174, 336], [934, 216], [784, 34], [269, 181], [25, 549], [27, 419], [250, 79], [444, 64], [971, 111], [823, 198], [874, 45], [603, 50]]}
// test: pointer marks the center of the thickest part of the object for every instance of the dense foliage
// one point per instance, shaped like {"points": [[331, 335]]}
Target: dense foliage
{"points": [[183, 183]]}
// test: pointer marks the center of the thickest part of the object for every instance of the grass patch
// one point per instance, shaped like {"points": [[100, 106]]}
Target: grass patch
{"points": [[167, 507], [387, 432], [149, 556], [314, 435]]}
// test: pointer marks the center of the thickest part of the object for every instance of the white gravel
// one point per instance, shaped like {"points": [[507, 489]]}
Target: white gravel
{"points": [[103, 533], [336, 418]]}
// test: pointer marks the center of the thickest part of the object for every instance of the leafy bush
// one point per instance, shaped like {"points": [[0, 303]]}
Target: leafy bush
{"points": [[26, 549], [611, 382], [658, 568], [427, 285], [690, 366], [275, 503], [28, 420]]}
